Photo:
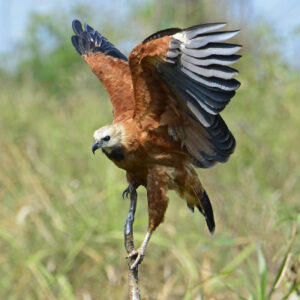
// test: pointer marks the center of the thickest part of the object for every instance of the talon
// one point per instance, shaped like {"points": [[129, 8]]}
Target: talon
{"points": [[139, 257], [131, 187], [130, 255], [126, 192]]}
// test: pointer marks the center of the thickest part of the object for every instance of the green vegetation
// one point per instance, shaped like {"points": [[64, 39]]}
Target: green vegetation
{"points": [[61, 211]]}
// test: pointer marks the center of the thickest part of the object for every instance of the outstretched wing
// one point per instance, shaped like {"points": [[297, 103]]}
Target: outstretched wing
{"points": [[109, 65], [181, 79]]}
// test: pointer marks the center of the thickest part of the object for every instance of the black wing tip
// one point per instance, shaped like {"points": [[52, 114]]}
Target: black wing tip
{"points": [[89, 29], [222, 139], [74, 22], [74, 40], [89, 40], [77, 26]]}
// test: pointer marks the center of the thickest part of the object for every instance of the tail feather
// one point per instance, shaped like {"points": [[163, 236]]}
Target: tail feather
{"points": [[206, 209], [199, 198], [190, 207]]}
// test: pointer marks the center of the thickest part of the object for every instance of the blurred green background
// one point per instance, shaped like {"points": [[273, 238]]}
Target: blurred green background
{"points": [[61, 211]]}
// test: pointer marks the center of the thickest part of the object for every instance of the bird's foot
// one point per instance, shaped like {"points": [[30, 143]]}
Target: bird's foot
{"points": [[137, 255], [126, 192], [131, 186]]}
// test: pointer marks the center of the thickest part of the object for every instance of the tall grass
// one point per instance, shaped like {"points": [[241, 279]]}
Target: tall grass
{"points": [[61, 212]]}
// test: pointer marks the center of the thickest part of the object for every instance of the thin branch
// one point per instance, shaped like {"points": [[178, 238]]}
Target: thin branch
{"points": [[133, 288]]}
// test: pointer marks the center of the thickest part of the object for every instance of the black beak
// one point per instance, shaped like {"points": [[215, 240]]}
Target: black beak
{"points": [[96, 146]]}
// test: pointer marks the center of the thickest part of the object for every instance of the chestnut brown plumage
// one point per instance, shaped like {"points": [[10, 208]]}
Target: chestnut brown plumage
{"points": [[166, 102]]}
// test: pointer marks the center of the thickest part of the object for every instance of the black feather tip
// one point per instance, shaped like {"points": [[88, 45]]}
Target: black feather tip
{"points": [[89, 40]]}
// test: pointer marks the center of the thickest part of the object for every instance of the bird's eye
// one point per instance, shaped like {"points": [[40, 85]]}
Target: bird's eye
{"points": [[106, 138]]}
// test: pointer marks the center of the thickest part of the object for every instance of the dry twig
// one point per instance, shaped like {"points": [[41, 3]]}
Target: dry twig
{"points": [[133, 288]]}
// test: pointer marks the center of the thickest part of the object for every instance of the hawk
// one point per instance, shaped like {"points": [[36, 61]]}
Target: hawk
{"points": [[167, 97]]}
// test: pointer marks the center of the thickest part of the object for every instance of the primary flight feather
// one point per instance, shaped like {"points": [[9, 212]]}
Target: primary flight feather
{"points": [[166, 102]]}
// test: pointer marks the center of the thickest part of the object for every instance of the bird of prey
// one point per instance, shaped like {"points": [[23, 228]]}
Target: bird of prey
{"points": [[167, 97]]}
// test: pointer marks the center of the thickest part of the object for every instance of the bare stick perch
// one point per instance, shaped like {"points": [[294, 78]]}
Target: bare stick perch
{"points": [[133, 288]]}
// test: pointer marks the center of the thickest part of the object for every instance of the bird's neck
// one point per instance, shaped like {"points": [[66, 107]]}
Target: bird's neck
{"points": [[116, 153]]}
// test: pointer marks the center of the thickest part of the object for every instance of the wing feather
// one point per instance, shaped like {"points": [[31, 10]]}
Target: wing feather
{"points": [[194, 31], [109, 65], [203, 40], [191, 66], [221, 60]]}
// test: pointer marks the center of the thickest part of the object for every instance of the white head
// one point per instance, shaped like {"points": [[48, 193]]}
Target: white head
{"points": [[108, 137]]}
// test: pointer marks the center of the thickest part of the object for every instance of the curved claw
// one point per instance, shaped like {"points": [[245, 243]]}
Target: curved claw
{"points": [[126, 192], [131, 187], [139, 253]]}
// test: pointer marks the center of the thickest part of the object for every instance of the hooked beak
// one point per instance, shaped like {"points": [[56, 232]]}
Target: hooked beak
{"points": [[96, 146]]}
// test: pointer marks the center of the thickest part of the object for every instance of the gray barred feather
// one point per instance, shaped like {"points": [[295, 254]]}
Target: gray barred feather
{"points": [[197, 72]]}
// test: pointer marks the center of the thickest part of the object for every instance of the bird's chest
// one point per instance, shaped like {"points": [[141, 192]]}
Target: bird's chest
{"points": [[133, 162]]}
